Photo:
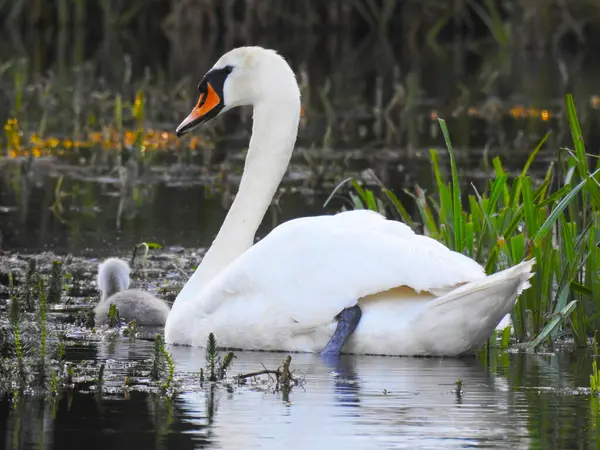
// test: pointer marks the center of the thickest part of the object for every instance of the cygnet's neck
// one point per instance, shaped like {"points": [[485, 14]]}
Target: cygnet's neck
{"points": [[112, 283], [113, 277], [274, 133]]}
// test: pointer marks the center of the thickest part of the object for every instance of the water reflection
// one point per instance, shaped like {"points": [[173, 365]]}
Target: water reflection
{"points": [[521, 401], [367, 402]]}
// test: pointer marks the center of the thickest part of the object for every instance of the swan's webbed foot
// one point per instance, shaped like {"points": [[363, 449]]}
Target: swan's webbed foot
{"points": [[347, 322]]}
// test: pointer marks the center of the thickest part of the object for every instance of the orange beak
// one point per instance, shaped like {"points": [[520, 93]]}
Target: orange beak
{"points": [[206, 103]]}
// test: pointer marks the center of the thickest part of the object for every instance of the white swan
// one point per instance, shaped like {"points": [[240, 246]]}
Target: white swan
{"points": [[353, 280], [113, 282]]}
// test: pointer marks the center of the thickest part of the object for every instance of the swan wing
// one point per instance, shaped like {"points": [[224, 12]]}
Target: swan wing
{"points": [[308, 270]]}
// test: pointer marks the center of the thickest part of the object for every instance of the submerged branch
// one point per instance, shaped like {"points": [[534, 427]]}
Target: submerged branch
{"points": [[243, 376], [283, 375]]}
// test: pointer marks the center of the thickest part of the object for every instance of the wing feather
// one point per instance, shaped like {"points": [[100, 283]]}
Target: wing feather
{"points": [[309, 269]]}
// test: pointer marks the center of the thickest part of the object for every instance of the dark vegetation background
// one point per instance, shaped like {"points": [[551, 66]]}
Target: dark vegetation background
{"points": [[355, 58]]}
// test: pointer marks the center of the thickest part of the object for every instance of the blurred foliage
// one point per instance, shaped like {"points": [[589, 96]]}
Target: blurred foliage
{"points": [[372, 72]]}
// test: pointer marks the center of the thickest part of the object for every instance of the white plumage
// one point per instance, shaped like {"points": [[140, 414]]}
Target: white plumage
{"points": [[417, 297]]}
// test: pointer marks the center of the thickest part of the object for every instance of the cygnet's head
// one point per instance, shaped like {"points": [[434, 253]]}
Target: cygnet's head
{"points": [[243, 76], [113, 276]]}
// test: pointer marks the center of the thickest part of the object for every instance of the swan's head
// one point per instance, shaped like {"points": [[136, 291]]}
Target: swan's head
{"points": [[243, 76]]}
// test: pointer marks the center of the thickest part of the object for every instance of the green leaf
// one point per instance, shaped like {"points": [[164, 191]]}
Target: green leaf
{"points": [[528, 164], [541, 233], [530, 207], [556, 320], [399, 207], [458, 229], [581, 289], [505, 338]]}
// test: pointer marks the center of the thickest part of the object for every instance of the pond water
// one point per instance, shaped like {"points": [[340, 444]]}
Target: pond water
{"points": [[92, 223], [533, 401]]}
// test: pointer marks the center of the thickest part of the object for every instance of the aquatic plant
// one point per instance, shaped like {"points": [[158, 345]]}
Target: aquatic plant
{"points": [[100, 377], [113, 316], [87, 318], [216, 368], [56, 283], [27, 340], [595, 376], [459, 391], [57, 207], [595, 389], [211, 357], [131, 329], [556, 221], [505, 340], [43, 325], [61, 351], [162, 362], [53, 384], [31, 282], [170, 371], [225, 364], [14, 315], [146, 246], [285, 378]]}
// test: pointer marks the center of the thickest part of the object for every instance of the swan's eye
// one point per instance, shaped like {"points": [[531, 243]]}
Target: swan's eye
{"points": [[228, 69]]}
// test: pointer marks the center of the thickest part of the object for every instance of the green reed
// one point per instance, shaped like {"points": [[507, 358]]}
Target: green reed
{"points": [[216, 368], [56, 283], [43, 324], [114, 318], [555, 220], [162, 362], [15, 316], [31, 282], [595, 376]]}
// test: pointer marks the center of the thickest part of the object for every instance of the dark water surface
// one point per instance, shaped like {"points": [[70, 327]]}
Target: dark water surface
{"points": [[521, 401], [92, 223]]}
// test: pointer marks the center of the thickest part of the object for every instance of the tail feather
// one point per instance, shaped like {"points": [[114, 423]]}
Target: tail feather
{"points": [[465, 317]]}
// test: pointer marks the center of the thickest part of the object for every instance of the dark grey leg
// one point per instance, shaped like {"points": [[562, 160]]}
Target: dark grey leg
{"points": [[347, 322]]}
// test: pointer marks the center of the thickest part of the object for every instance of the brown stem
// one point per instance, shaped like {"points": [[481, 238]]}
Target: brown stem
{"points": [[243, 376]]}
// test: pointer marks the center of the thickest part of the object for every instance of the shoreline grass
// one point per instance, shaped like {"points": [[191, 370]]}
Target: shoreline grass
{"points": [[557, 221]]}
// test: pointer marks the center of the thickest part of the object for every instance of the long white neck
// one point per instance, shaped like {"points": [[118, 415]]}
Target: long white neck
{"points": [[274, 134]]}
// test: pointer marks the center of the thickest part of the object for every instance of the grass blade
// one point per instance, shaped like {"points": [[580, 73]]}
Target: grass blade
{"points": [[556, 320], [456, 199], [541, 233]]}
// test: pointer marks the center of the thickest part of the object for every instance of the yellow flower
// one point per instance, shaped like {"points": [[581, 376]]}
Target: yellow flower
{"points": [[517, 111], [36, 140]]}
